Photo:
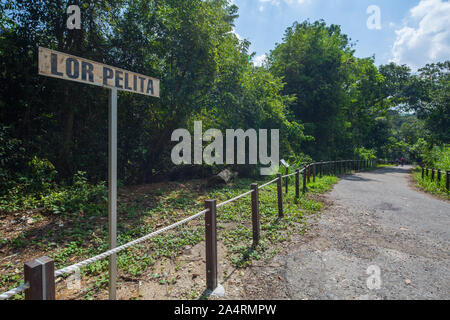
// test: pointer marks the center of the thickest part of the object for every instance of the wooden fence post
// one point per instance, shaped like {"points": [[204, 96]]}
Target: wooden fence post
{"points": [[432, 174], [40, 274], [297, 183], [423, 173], [211, 245], [439, 177], [280, 195], [255, 214], [314, 172], [304, 180], [426, 171], [309, 173]]}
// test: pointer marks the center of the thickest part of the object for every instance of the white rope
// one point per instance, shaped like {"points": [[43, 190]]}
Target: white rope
{"points": [[12, 292], [292, 174], [103, 255], [268, 183], [234, 199]]}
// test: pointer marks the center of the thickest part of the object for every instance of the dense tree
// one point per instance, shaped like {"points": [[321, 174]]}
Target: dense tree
{"points": [[326, 102]]}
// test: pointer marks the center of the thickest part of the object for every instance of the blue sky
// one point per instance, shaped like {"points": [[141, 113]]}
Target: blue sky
{"points": [[413, 32]]}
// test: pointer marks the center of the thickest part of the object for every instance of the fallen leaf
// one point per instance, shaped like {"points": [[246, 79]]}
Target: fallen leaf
{"points": [[408, 282]]}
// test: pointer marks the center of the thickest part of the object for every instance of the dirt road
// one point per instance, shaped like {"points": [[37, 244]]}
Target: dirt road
{"points": [[375, 223]]}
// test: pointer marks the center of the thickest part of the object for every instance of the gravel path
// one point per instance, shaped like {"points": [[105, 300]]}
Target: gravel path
{"points": [[376, 222]]}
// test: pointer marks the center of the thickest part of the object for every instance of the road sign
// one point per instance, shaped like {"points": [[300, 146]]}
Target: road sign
{"points": [[64, 66]]}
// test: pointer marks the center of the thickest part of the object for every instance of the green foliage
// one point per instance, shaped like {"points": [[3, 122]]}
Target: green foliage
{"points": [[42, 175], [426, 94], [433, 187], [40, 192], [437, 157], [81, 196], [365, 154], [11, 159]]}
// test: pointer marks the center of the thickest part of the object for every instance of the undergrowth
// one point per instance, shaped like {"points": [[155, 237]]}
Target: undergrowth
{"points": [[82, 233]]}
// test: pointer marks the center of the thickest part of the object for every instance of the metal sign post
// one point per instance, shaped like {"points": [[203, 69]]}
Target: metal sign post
{"points": [[112, 191], [68, 67]]}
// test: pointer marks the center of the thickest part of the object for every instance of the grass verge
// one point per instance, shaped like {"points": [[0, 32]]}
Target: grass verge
{"points": [[433, 187]]}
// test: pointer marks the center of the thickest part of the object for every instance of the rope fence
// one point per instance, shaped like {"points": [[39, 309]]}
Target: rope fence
{"points": [[39, 273]]}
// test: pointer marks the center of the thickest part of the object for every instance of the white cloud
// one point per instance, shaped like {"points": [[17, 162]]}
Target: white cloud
{"points": [[425, 35], [277, 2], [259, 60], [237, 34]]}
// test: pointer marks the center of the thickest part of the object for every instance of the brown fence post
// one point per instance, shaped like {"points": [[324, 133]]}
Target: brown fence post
{"points": [[426, 172], [297, 183], [304, 180], [280, 195], [439, 177], [287, 180], [40, 274], [432, 174], [423, 173], [255, 213], [211, 245], [314, 172]]}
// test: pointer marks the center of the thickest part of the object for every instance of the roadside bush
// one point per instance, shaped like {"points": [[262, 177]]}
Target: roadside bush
{"points": [[48, 196], [80, 197], [438, 157]]}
